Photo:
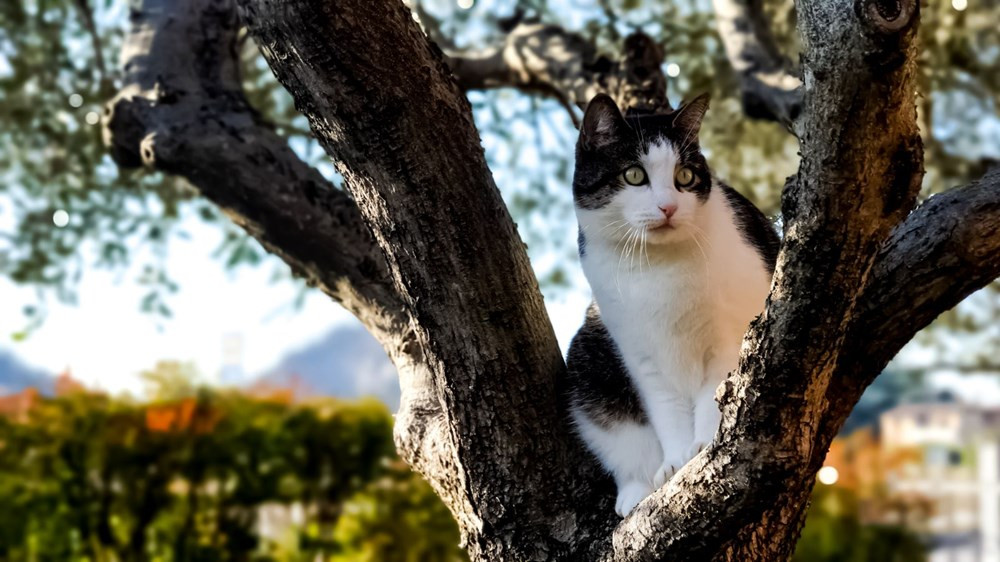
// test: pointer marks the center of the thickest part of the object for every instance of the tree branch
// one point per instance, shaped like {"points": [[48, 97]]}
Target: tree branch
{"points": [[944, 251], [181, 110], [769, 86], [547, 59], [87, 18], [402, 135]]}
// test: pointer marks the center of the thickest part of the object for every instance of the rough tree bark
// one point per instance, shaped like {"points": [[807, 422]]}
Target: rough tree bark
{"points": [[424, 252]]}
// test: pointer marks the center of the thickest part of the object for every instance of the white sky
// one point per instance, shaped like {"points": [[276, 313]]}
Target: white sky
{"points": [[107, 341]]}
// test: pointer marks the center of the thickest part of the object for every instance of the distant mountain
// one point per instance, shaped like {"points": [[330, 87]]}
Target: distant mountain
{"points": [[347, 362], [15, 376]]}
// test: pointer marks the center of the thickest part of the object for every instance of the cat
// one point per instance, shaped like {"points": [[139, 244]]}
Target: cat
{"points": [[679, 264]]}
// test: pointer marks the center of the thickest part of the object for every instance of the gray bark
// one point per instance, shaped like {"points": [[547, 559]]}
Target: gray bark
{"points": [[424, 252], [549, 60], [181, 109], [768, 83]]}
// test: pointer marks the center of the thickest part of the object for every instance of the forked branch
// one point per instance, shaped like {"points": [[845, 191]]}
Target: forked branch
{"points": [[429, 257]]}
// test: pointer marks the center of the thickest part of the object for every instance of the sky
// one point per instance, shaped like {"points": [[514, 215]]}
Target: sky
{"points": [[106, 341]]}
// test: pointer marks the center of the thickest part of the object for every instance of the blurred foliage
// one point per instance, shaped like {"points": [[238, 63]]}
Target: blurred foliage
{"points": [[212, 476], [65, 207], [56, 70], [833, 533], [87, 477]]}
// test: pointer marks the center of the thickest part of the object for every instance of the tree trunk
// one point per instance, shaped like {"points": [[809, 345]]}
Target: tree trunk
{"points": [[425, 254]]}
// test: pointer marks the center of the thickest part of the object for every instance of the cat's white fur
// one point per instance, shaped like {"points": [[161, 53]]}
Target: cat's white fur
{"points": [[677, 307]]}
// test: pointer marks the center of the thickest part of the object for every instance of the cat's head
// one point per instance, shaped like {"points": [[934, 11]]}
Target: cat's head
{"points": [[641, 173]]}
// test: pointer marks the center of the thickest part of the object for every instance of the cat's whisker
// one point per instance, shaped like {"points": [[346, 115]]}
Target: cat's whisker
{"points": [[630, 255], [631, 260], [620, 225], [704, 235], [621, 256], [621, 239], [631, 252], [642, 249], [618, 269], [708, 271], [645, 251], [613, 223]]}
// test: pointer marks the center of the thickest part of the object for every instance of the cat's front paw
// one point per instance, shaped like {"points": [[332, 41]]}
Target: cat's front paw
{"points": [[665, 472], [697, 447], [629, 496]]}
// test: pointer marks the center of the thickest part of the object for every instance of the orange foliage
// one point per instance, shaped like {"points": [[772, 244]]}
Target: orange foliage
{"points": [[183, 415]]}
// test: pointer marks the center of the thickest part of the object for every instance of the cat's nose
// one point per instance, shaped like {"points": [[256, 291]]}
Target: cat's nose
{"points": [[668, 210]]}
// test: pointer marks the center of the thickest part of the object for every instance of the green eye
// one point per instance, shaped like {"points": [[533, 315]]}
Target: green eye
{"points": [[684, 177], [635, 175]]}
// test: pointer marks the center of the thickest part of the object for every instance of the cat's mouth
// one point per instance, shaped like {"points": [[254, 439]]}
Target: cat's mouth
{"points": [[664, 227]]}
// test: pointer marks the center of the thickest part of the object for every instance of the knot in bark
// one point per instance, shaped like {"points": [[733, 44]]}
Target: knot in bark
{"points": [[886, 17], [147, 150], [124, 127]]}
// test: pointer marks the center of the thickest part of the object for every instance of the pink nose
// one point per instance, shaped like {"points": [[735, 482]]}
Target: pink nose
{"points": [[668, 210]]}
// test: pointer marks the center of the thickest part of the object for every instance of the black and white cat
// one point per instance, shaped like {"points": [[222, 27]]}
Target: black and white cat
{"points": [[679, 265]]}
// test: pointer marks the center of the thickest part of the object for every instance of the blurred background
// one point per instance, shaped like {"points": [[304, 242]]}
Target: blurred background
{"points": [[168, 391]]}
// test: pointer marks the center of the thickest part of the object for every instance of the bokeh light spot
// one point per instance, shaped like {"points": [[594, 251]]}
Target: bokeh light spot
{"points": [[60, 218], [828, 475]]}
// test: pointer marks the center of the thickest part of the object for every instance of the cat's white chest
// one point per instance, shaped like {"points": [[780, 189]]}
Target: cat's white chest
{"points": [[661, 318], [680, 317]]}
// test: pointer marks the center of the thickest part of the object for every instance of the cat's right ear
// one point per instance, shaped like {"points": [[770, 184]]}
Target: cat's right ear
{"points": [[602, 123]]}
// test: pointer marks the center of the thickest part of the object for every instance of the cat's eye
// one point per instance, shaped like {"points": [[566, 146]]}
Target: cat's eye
{"points": [[684, 177], [635, 175]]}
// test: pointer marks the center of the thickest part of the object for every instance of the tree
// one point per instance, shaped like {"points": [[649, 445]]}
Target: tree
{"points": [[422, 250]]}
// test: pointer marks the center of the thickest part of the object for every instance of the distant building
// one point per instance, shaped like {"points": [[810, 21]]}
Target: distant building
{"points": [[293, 389], [934, 423], [954, 462]]}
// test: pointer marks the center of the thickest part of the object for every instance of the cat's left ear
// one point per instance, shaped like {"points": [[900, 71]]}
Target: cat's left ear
{"points": [[602, 123], [688, 117]]}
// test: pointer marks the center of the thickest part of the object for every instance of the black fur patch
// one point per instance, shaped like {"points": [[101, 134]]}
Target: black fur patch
{"points": [[598, 383], [755, 228]]}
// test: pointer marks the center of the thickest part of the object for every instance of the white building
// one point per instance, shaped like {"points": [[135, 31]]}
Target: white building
{"points": [[955, 465]]}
